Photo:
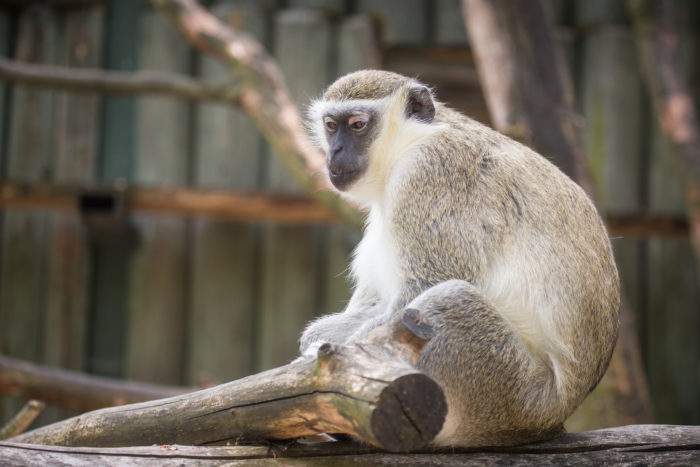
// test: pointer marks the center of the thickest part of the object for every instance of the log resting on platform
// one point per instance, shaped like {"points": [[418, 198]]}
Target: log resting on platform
{"points": [[369, 389]]}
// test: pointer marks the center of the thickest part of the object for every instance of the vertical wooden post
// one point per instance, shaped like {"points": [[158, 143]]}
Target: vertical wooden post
{"points": [[155, 337], [112, 244], [612, 106], [76, 126], [290, 267], [673, 314], [24, 234], [227, 149]]}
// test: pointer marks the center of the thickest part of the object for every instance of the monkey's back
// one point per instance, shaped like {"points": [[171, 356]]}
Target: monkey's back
{"points": [[526, 235]]}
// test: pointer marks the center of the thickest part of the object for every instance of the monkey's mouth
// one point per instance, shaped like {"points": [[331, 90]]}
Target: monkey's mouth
{"points": [[342, 179]]}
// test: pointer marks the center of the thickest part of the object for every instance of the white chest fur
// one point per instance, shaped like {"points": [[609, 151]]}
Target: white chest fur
{"points": [[375, 263]]}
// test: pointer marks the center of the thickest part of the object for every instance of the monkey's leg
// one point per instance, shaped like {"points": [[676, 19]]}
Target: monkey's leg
{"points": [[498, 393]]}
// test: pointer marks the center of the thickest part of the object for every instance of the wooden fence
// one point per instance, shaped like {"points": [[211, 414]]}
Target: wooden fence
{"points": [[171, 299]]}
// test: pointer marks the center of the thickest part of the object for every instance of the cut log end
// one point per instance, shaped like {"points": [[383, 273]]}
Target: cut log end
{"points": [[409, 413]]}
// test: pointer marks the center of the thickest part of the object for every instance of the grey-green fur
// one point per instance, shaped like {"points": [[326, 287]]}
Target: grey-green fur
{"points": [[474, 204]]}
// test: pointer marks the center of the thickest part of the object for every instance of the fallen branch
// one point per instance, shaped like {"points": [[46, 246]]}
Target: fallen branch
{"points": [[369, 389], [22, 420], [75, 390]]}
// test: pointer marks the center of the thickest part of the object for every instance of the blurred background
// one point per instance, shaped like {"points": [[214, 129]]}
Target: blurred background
{"points": [[88, 284]]}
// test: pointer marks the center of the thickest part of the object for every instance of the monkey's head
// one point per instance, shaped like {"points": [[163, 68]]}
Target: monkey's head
{"points": [[365, 121]]}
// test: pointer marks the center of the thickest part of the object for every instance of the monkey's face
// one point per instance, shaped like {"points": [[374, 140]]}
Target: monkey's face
{"points": [[349, 135]]}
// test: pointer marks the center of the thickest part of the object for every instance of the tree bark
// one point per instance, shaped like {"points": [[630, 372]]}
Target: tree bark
{"points": [[658, 47], [530, 97], [369, 389]]}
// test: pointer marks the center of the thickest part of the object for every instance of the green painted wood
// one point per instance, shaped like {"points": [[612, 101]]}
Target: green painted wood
{"points": [[224, 260], [292, 256], [595, 13], [118, 112], [448, 24], [402, 22], [156, 321], [327, 6], [5, 39], [357, 45], [673, 347], [76, 128], [24, 234], [611, 101], [112, 245]]}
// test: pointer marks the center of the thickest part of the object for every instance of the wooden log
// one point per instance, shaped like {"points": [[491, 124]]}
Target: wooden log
{"points": [[74, 390], [369, 389], [626, 445]]}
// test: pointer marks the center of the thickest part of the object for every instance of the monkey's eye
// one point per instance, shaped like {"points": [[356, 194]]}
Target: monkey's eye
{"points": [[331, 126], [357, 123]]}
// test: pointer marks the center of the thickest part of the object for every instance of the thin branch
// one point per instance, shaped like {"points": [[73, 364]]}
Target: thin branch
{"points": [[117, 82], [23, 419], [264, 97]]}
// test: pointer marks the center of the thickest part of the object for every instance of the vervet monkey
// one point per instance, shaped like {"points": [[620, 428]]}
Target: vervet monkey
{"points": [[502, 254]]}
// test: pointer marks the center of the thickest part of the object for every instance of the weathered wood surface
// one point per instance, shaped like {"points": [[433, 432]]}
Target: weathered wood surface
{"points": [[369, 389], [627, 445]]}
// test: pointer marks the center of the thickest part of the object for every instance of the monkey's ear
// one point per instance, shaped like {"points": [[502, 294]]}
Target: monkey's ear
{"points": [[419, 104]]}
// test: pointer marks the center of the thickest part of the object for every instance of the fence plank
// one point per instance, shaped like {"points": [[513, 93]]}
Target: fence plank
{"points": [[228, 149], [611, 101], [112, 243], [5, 40], [672, 344], [291, 262], [448, 24], [23, 261], [155, 338], [69, 262], [397, 27]]}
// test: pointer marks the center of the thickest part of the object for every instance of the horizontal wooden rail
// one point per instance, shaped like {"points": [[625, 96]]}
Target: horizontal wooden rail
{"points": [[245, 207], [174, 201]]}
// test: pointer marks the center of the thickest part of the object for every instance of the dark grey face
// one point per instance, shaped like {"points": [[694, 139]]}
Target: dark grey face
{"points": [[349, 136]]}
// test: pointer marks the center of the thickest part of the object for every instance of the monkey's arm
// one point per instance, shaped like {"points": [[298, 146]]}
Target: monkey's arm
{"points": [[336, 328]]}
